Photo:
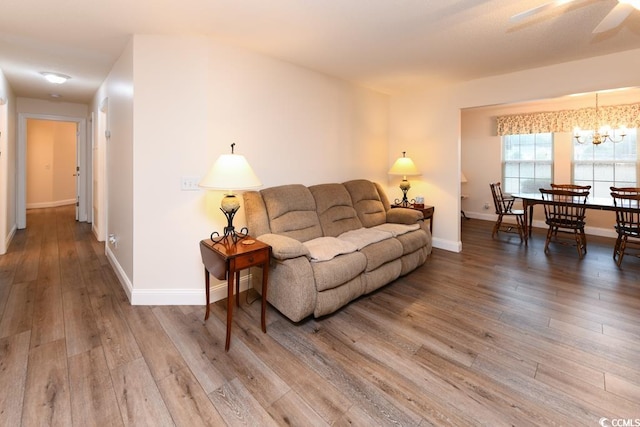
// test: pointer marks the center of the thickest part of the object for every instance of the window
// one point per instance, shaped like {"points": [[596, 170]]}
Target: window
{"points": [[527, 162], [605, 165]]}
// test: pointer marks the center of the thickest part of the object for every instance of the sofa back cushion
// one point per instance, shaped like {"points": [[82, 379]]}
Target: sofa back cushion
{"points": [[335, 209], [367, 202], [291, 210], [256, 213]]}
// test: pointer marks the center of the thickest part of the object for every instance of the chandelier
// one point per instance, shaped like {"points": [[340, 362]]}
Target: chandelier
{"points": [[600, 134]]}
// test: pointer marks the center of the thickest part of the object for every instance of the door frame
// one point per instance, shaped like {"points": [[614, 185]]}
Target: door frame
{"points": [[5, 234], [21, 166]]}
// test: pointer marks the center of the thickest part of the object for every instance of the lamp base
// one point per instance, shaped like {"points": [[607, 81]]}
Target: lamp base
{"points": [[404, 186], [229, 208]]}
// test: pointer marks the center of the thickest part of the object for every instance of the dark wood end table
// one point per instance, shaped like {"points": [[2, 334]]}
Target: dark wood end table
{"points": [[224, 260]]}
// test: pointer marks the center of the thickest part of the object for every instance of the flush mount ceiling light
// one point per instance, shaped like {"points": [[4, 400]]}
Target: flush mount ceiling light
{"points": [[55, 78]]}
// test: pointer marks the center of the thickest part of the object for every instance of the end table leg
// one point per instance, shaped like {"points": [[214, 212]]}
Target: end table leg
{"points": [[206, 289], [229, 309], [238, 289], [265, 276]]}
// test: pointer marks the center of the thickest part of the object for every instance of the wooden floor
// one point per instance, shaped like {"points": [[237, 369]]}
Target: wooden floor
{"points": [[500, 334]]}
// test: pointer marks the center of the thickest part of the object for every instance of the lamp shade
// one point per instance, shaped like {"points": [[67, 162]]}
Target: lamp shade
{"points": [[404, 166], [230, 172]]}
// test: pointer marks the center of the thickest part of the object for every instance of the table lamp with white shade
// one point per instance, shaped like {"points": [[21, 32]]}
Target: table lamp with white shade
{"points": [[230, 172], [404, 166]]}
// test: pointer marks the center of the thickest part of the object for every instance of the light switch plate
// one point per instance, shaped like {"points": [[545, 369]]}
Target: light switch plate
{"points": [[189, 183]]}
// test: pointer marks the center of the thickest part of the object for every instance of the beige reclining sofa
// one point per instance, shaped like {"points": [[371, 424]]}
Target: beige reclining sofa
{"points": [[332, 243]]}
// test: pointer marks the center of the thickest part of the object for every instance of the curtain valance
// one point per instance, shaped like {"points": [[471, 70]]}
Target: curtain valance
{"points": [[566, 120]]}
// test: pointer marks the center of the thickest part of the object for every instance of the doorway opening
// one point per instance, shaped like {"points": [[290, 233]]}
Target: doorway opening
{"points": [[51, 164], [51, 167]]}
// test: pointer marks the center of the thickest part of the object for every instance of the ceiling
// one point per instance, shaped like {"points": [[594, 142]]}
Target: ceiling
{"points": [[387, 45]]}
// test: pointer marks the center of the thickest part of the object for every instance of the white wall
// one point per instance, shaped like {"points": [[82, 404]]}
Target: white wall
{"points": [[429, 122], [7, 164], [51, 108], [293, 125], [117, 90]]}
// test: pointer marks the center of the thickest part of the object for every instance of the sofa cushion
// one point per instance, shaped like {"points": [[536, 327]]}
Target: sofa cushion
{"points": [[339, 270], [283, 247], [397, 229], [387, 273], [414, 240], [335, 209], [367, 202], [330, 300], [326, 248], [365, 236], [382, 252], [256, 213], [404, 216], [292, 212]]}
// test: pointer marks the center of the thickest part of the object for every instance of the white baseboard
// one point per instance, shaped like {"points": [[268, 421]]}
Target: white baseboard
{"points": [[120, 274], [447, 245], [9, 238], [217, 290], [55, 204]]}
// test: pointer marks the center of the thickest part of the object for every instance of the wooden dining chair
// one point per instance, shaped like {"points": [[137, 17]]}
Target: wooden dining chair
{"points": [[564, 212], [504, 207], [572, 187], [627, 200]]}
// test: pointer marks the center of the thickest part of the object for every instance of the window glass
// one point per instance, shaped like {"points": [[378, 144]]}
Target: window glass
{"points": [[606, 165], [527, 162]]}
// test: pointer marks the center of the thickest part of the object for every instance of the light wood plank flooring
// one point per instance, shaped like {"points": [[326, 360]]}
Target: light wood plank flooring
{"points": [[500, 334]]}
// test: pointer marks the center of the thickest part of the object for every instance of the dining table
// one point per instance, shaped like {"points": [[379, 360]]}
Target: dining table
{"points": [[529, 200]]}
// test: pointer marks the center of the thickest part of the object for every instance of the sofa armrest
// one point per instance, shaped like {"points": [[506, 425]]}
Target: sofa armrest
{"points": [[283, 247], [404, 216]]}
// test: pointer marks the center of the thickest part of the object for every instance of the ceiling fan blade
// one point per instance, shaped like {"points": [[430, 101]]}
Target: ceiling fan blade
{"points": [[614, 18], [527, 13]]}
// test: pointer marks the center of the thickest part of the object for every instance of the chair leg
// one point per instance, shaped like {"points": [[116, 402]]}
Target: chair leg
{"points": [[521, 232], [616, 248], [546, 242], [497, 225], [519, 227], [621, 249], [579, 245]]}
